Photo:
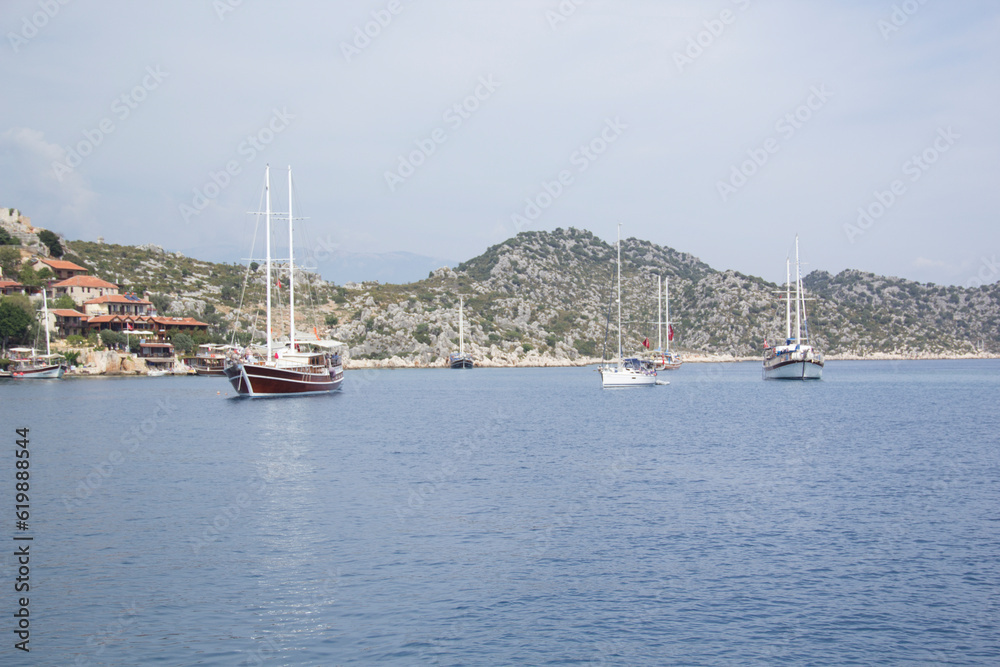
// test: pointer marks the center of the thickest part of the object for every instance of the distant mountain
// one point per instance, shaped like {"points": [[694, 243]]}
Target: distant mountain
{"points": [[548, 295]]}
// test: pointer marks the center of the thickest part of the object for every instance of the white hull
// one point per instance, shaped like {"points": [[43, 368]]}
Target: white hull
{"points": [[40, 373], [613, 377], [796, 370]]}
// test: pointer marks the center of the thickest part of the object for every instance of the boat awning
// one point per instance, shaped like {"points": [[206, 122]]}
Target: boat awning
{"points": [[326, 344]]}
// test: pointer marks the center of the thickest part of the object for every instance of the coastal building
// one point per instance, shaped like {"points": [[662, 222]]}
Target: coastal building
{"points": [[159, 326], [67, 322], [163, 325], [62, 269], [83, 288], [156, 351], [8, 287], [101, 323], [118, 304]]}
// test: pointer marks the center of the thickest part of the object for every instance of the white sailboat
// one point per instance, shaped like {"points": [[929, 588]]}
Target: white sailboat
{"points": [[664, 359], [29, 365], [460, 360], [626, 372], [796, 359], [299, 367]]}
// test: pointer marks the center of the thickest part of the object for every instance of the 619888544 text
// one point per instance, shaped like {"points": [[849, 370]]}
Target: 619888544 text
{"points": [[22, 539]]}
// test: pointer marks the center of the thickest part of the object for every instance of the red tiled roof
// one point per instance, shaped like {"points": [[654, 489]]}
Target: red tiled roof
{"points": [[179, 321], [9, 283], [62, 264], [117, 298], [85, 281], [138, 319], [62, 312]]}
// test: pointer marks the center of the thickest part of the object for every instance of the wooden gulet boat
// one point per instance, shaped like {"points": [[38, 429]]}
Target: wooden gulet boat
{"points": [[461, 359], [796, 359], [300, 367]]}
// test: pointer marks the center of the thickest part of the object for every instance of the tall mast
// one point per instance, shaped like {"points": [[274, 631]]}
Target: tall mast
{"points": [[788, 299], [267, 244], [798, 295], [461, 329], [45, 314], [291, 269], [659, 316], [619, 295], [666, 296]]}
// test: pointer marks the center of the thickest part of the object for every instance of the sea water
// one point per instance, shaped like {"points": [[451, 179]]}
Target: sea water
{"points": [[512, 516]]}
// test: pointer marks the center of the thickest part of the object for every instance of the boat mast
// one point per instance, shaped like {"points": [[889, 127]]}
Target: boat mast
{"points": [[788, 299], [45, 315], [619, 295], [267, 244], [659, 316], [461, 330], [666, 296], [291, 269], [798, 295]]}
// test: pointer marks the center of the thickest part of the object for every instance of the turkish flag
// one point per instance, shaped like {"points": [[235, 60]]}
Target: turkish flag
{"points": [[670, 334], [645, 343]]}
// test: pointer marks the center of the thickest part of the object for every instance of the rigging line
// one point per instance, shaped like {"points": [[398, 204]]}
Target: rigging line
{"points": [[607, 324], [246, 275]]}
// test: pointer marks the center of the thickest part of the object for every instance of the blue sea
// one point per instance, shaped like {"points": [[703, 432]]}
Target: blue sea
{"points": [[512, 517]]}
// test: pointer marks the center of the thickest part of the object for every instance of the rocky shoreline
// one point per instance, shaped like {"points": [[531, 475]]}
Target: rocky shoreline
{"points": [[111, 363]]}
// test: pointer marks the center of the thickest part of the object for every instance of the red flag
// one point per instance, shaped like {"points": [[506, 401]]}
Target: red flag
{"points": [[670, 333], [766, 346], [279, 283], [645, 343]]}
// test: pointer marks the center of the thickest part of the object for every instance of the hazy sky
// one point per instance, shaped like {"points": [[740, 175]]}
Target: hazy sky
{"points": [[719, 128]]}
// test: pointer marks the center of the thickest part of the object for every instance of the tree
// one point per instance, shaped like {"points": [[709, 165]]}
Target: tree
{"points": [[64, 301], [254, 266], [111, 339], [161, 302], [32, 278], [182, 342], [7, 239], [10, 260], [50, 240], [15, 321]]}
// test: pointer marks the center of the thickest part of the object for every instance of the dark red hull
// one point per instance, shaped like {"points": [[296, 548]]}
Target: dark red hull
{"points": [[258, 380]]}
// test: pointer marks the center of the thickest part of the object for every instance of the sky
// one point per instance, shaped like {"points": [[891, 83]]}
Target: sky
{"points": [[721, 128]]}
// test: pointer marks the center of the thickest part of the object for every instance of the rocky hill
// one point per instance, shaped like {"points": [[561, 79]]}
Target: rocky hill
{"points": [[545, 297]]}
